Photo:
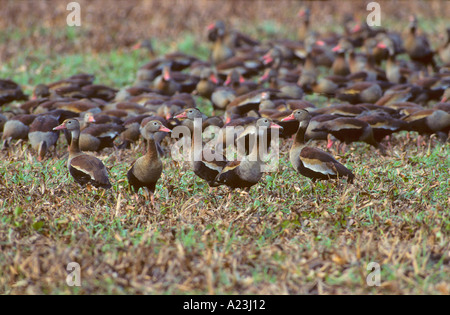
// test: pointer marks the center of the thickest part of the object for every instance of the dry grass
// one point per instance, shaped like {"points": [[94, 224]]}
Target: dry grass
{"points": [[278, 240]]}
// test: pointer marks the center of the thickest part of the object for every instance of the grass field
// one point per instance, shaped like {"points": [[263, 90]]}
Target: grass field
{"points": [[278, 239]]}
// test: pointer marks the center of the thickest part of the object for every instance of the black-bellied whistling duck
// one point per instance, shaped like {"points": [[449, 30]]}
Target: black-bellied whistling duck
{"points": [[17, 128], [132, 132], [444, 50], [286, 89], [84, 168], [221, 50], [127, 93], [340, 110], [99, 91], [206, 166], [382, 124], [207, 84], [234, 126], [340, 64], [315, 121], [160, 135], [349, 130], [146, 170], [361, 92], [41, 134], [147, 45], [3, 120], [96, 137], [394, 72], [446, 96], [41, 91], [165, 84], [243, 104], [304, 14], [222, 97], [309, 73], [312, 162], [428, 122], [190, 114], [417, 46], [237, 82], [10, 91], [398, 93], [378, 53], [248, 171]]}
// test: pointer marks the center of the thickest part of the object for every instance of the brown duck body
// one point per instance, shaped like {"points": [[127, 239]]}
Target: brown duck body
{"points": [[146, 170], [41, 134], [10, 91], [84, 168], [348, 130], [17, 128], [418, 47], [311, 162], [248, 171], [206, 169]]}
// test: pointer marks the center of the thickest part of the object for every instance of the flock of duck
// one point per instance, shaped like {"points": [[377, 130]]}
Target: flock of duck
{"points": [[381, 82]]}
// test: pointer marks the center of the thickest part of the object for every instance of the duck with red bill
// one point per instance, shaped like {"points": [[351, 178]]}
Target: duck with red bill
{"points": [[312, 162], [84, 168], [248, 171], [147, 170]]}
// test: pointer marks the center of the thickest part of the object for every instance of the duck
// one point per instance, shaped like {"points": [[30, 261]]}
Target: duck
{"points": [[247, 172], [17, 128], [146, 170], [286, 90], [3, 120], [395, 73], [382, 124], [165, 84], [207, 84], [96, 137], [312, 162], [304, 14], [221, 50], [42, 136], [205, 168], [237, 82], [428, 122], [85, 169], [10, 91], [444, 50], [131, 133], [340, 65], [360, 92], [248, 102], [418, 47], [349, 130]]}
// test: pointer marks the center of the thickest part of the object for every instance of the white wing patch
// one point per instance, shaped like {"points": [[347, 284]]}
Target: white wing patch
{"points": [[317, 167]]}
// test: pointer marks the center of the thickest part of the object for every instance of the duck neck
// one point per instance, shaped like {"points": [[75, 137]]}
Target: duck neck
{"points": [[299, 140], [74, 148], [255, 153], [152, 152], [196, 140]]}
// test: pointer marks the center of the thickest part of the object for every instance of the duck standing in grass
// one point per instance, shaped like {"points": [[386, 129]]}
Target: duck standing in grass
{"points": [[146, 171], [312, 162], [203, 168], [84, 168], [247, 172]]}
